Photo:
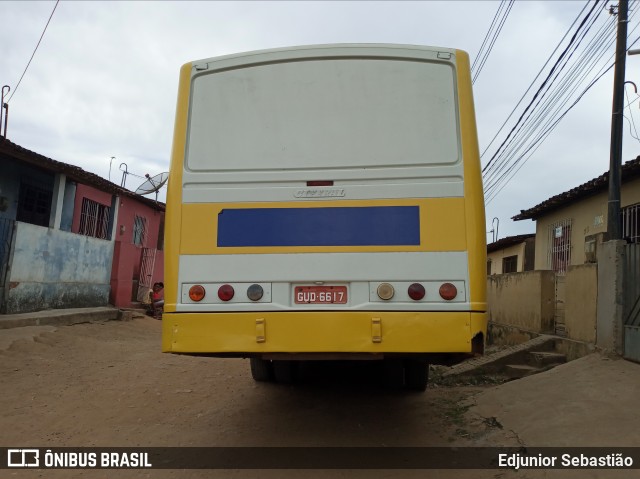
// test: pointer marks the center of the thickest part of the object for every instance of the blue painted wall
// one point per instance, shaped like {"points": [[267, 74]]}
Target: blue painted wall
{"points": [[56, 269]]}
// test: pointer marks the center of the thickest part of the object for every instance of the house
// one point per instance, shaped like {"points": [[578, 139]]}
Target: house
{"points": [[512, 254], [582, 287], [571, 225], [69, 238]]}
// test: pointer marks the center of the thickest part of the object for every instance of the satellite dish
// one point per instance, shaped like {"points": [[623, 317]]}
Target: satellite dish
{"points": [[152, 184]]}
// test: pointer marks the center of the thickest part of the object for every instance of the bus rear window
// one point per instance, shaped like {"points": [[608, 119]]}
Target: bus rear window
{"points": [[326, 113]]}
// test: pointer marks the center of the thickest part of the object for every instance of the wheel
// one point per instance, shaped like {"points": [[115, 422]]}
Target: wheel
{"points": [[261, 369], [284, 371], [416, 374], [393, 373]]}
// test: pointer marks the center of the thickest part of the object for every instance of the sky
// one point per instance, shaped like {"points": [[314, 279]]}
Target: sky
{"points": [[103, 82]]}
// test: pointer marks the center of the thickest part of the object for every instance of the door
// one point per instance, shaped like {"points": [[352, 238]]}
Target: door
{"points": [[147, 265]]}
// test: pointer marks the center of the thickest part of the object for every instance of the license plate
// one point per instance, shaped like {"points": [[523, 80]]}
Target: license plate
{"points": [[320, 295]]}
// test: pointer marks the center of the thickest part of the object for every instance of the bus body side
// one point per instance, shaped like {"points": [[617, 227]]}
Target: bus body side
{"points": [[335, 168]]}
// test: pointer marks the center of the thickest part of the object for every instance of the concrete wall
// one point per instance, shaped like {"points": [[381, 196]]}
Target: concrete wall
{"points": [[525, 300], [56, 269], [581, 302]]}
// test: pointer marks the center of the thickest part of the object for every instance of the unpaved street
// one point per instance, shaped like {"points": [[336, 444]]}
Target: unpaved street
{"points": [[108, 384]]}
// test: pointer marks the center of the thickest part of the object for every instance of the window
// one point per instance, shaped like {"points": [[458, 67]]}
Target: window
{"points": [[94, 219], [139, 230], [510, 264], [559, 246], [489, 267], [630, 220], [34, 205]]}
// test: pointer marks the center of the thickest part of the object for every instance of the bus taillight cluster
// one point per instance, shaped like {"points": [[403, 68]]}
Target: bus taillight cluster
{"points": [[226, 292], [417, 291]]}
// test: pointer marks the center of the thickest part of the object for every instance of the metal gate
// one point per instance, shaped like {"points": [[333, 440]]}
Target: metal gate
{"points": [[558, 316], [631, 309], [6, 237], [146, 272]]}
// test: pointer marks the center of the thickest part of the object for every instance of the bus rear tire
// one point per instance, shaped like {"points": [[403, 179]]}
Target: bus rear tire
{"points": [[261, 369], [416, 374]]}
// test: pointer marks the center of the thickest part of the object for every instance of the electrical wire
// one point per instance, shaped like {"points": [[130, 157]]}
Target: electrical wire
{"points": [[485, 56], [486, 37], [535, 79], [554, 103], [34, 51], [551, 128], [569, 82], [542, 87], [546, 133], [633, 122]]}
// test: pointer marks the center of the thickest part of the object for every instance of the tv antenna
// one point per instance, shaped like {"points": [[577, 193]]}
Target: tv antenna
{"points": [[152, 184]]}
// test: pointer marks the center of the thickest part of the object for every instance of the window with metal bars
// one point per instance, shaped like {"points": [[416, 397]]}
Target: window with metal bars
{"points": [[559, 249], [630, 223], [139, 230], [94, 219]]}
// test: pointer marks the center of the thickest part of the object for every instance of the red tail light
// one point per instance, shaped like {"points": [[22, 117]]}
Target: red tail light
{"points": [[448, 291], [196, 293], [226, 292], [416, 291]]}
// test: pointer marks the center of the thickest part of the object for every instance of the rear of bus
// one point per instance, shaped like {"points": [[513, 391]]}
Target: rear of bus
{"points": [[325, 202]]}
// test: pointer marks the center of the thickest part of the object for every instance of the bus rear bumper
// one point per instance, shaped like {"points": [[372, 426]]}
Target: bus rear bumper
{"points": [[358, 333]]}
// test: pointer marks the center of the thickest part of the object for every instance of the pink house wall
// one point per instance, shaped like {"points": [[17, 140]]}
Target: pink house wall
{"points": [[127, 255]]}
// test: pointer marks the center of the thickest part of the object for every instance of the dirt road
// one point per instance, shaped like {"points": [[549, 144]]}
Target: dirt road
{"points": [[108, 384]]}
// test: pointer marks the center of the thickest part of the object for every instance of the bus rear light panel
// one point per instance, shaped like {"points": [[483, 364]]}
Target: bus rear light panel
{"points": [[417, 292], [222, 293]]}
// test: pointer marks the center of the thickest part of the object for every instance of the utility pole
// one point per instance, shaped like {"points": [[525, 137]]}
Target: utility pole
{"points": [[614, 223]]}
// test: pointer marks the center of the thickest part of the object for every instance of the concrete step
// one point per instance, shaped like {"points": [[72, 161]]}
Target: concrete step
{"points": [[517, 371], [494, 363], [545, 358]]}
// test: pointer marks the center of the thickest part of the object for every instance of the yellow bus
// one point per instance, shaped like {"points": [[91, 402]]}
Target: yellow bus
{"points": [[325, 203]]}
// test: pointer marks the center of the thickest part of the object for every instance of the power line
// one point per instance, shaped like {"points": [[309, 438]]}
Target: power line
{"points": [[486, 37], [483, 56], [542, 87], [543, 121], [535, 79], [34, 51], [546, 109], [548, 131]]}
